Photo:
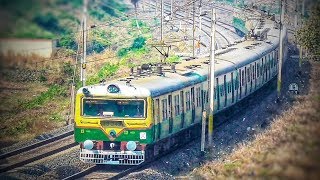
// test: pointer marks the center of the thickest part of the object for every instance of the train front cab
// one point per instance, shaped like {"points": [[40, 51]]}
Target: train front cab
{"points": [[113, 129]]}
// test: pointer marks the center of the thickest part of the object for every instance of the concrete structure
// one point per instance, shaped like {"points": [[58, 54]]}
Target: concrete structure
{"points": [[41, 47]]}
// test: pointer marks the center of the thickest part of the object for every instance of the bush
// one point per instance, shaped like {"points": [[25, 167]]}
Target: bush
{"points": [[74, 3], [173, 59], [96, 14], [138, 43], [67, 69], [123, 52], [106, 71], [68, 42], [48, 22]]}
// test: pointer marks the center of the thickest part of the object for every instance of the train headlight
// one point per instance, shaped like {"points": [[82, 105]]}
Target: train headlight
{"points": [[131, 145], [88, 144], [143, 135]]}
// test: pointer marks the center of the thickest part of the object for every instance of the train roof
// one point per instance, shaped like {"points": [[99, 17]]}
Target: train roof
{"points": [[190, 72]]}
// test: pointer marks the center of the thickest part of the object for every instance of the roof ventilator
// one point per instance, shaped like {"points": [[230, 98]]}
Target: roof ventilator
{"points": [[159, 70], [173, 68]]}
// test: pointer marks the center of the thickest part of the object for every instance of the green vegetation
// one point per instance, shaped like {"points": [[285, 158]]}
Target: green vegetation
{"points": [[138, 45], [106, 71], [173, 59], [51, 93], [56, 19], [309, 35], [101, 39]]}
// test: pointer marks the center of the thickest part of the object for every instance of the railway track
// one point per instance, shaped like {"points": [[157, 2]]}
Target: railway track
{"points": [[221, 39], [37, 151]]}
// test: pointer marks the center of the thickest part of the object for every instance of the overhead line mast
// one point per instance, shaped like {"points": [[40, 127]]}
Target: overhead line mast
{"points": [[84, 41], [281, 50], [212, 77]]}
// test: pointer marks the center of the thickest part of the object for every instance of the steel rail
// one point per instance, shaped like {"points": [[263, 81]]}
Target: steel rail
{"points": [[38, 157], [36, 145]]}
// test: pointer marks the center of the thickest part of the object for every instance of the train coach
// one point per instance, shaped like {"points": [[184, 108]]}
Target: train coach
{"points": [[129, 120]]}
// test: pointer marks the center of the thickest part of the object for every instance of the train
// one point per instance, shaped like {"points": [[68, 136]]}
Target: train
{"points": [[127, 121]]}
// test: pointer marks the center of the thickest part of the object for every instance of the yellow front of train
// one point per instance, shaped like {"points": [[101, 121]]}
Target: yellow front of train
{"points": [[113, 123]]}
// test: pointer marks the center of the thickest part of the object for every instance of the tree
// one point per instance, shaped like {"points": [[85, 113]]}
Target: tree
{"points": [[309, 36]]}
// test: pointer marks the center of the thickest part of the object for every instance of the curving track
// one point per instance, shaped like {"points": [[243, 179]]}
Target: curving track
{"points": [[225, 33]]}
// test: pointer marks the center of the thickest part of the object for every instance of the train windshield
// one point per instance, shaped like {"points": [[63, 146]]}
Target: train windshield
{"points": [[114, 108]]}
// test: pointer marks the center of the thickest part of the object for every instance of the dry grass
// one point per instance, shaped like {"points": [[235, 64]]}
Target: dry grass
{"points": [[289, 149]]}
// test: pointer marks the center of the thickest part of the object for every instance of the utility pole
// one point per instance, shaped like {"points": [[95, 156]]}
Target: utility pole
{"points": [[143, 5], [171, 9], [84, 42], [281, 49], [161, 25], [296, 15], [212, 77], [193, 29], [156, 10]]}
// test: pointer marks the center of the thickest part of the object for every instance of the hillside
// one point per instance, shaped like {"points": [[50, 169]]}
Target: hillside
{"points": [[56, 19]]}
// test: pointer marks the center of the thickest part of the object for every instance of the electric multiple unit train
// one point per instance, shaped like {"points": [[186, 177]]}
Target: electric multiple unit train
{"points": [[128, 120]]}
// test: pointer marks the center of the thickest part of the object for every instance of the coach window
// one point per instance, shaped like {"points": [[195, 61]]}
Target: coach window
{"points": [[262, 67], [242, 81], [198, 96], [248, 74], [187, 101], [204, 97], [215, 93], [176, 105], [156, 110], [257, 70], [254, 70], [164, 109]]}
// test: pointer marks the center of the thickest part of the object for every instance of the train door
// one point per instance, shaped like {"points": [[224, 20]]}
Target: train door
{"points": [[170, 116], [193, 107], [182, 109], [156, 115]]}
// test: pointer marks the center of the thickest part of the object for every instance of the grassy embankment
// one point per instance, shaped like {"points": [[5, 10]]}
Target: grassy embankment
{"points": [[289, 149]]}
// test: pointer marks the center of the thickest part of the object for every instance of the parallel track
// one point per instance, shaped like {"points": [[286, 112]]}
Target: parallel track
{"points": [[36, 145], [37, 151], [204, 24]]}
